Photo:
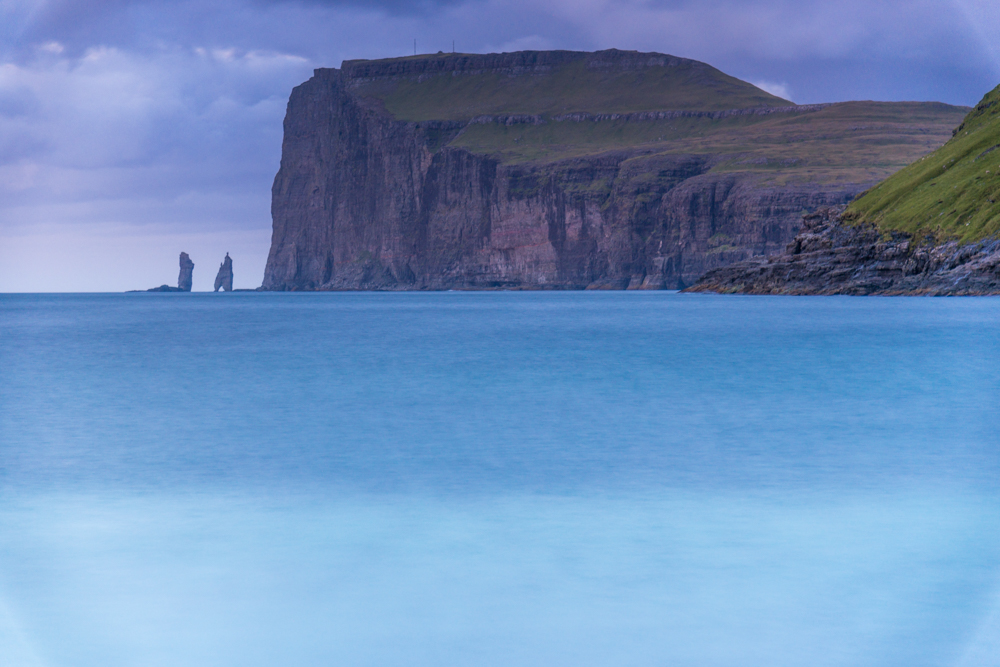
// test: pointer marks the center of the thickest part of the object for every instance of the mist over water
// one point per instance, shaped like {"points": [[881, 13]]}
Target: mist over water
{"points": [[497, 479]]}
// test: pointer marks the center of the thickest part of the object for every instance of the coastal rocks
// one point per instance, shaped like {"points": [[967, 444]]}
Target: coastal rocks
{"points": [[829, 256], [183, 279], [224, 278]]}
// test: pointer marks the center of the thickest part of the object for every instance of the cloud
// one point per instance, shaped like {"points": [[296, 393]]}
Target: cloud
{"points": [[779, 89], [527, 43], [983, 19], [109, 109], [178, 144], [393, 7]]}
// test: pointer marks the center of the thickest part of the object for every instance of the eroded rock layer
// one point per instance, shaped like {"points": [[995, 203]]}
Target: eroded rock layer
{"points": [[829, 256]]}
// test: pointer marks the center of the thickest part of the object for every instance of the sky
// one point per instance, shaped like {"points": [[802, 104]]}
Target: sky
{"points": [[131, 130]]}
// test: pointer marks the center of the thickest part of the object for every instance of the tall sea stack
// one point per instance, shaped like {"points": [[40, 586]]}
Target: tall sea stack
{"points": [[224, 278], [187, 270]]}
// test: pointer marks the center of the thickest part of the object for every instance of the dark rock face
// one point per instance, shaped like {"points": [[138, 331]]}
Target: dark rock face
{"points": [[224, 278], [363, 201], [831, 257], [185, 276]]}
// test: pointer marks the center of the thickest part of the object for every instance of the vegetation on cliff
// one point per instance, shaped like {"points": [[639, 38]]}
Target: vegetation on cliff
{"points": [[952, 193], [551, 83], [851, 142], [539, 107]]}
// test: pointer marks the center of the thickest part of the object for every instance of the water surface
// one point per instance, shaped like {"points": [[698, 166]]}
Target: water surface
{"points": [[498, 479]]}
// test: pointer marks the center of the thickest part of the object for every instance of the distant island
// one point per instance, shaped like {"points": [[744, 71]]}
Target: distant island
{"points": [[563, 170]]}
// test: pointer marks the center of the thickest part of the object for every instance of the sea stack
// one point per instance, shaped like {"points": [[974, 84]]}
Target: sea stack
{"points": [[224, 278], [183, 279], [187, 270]]}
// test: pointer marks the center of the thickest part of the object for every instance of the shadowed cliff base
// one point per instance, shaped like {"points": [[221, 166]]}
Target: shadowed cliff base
{"points": [[830, 256], [561, 170]]}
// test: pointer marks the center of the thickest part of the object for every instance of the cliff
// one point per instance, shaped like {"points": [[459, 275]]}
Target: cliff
{"points": [[560, 170], [829, 256], [932, 228]]}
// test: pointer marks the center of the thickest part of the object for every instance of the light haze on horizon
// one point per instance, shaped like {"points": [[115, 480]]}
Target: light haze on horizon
{"points": [[132, 130]]}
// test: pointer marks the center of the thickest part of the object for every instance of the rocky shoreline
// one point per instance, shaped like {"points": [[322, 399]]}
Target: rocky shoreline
{"points": [[831, 256]]}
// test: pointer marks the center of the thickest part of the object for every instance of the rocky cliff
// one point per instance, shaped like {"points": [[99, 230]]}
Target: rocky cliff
{"points": [[931, 228], [831, 256], [393, 177]]}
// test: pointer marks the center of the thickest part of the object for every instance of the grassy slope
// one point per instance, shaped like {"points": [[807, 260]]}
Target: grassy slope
{"points": [[573, 87], [951, 193]]}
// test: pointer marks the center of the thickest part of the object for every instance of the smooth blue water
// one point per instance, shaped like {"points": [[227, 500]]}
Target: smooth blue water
{"points": [[498, 479]]}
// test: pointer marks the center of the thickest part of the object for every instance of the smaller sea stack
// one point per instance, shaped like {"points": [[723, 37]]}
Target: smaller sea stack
{"points": [[224, 278]]}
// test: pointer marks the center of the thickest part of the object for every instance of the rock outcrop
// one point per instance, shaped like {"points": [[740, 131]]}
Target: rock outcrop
{"points": [[183, 279], [363, 200], [829, 256], [224, 278], [186, 275]]}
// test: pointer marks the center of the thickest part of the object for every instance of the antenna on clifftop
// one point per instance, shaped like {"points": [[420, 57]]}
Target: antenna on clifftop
{"points": [[414, 47], [453, 46]]}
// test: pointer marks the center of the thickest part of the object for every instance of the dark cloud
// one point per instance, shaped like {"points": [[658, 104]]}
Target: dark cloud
{"points": [[903, 43], [394, 7]]}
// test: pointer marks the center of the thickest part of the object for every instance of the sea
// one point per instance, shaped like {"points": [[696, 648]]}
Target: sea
{"points": [[499, 479]]}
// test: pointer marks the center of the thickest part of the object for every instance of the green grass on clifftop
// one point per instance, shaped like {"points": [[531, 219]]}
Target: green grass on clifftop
{"points": [[952, 193], [575, 86]]}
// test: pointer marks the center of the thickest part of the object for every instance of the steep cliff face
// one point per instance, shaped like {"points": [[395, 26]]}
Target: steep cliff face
{"points": [[347, 198], [366, 200]]}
